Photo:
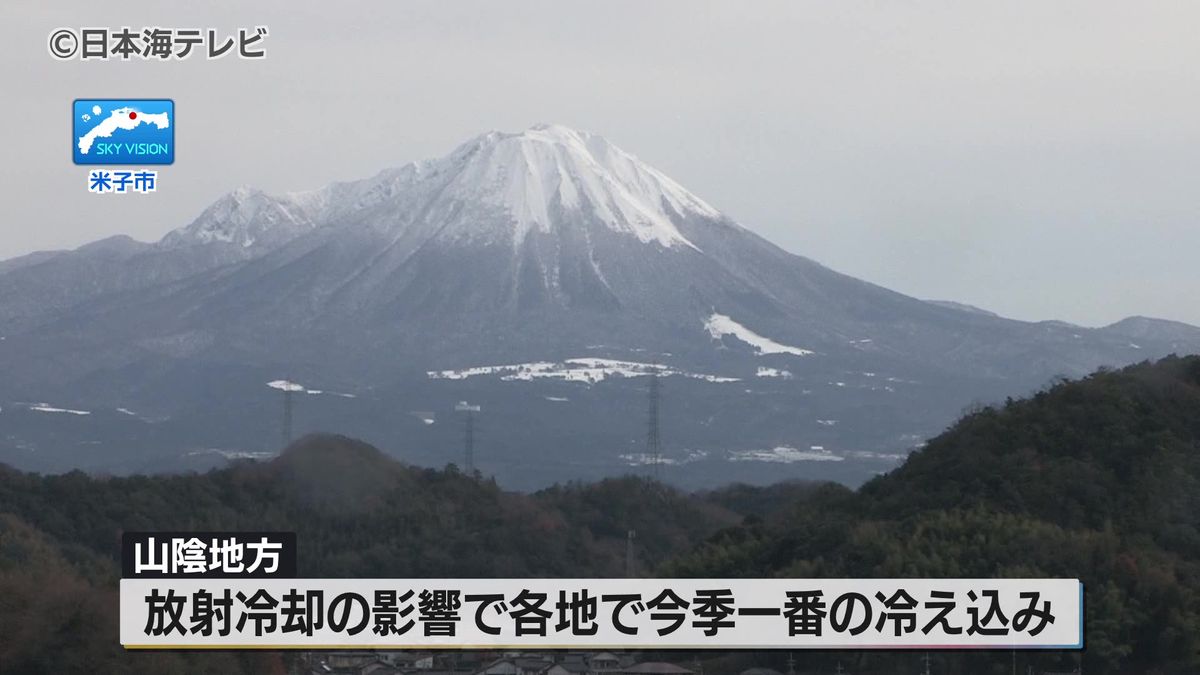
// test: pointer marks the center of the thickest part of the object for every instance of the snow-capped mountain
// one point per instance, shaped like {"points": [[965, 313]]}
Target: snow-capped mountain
{"points": [[519, 183], [503, 187], [248, 218], [543, 273]]}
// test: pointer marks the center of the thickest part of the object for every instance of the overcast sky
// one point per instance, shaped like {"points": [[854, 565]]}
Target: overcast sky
{"points": [[1038, 159]]}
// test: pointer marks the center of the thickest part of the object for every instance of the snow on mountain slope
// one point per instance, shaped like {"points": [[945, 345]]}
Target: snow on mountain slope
{"points": [[588, 370], [548, 217], [530, 173], [246, 217], [1145, 328], [528, 181], [719, 325], [514, 247], [522, 251]]}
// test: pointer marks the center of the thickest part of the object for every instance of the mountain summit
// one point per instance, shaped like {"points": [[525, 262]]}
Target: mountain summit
{"points": [[496, 186], [549, 174], [548, 217], [541, 274]]}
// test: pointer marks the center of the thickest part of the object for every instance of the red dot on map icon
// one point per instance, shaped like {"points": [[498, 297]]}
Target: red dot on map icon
{"points": [[133, 116]]}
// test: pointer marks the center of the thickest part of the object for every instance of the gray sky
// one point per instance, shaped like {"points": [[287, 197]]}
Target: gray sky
{"points": [[1039, 159]]}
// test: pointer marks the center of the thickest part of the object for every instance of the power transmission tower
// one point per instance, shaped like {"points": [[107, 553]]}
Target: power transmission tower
{"points": [[287, 414], [629, 567], [469, 442], [468, 435], [653, 442]]}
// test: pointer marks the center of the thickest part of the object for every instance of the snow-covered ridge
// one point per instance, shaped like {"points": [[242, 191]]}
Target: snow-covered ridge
{"points": [[245, 217], [720, 325], [496, 184]]}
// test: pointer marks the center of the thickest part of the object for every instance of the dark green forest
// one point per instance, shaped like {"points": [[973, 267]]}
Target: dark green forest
{"points": [[1097, 478]]}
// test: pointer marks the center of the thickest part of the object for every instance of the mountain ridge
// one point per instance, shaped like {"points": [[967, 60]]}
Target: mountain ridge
{"points": [[526, 173], [529, 262]]}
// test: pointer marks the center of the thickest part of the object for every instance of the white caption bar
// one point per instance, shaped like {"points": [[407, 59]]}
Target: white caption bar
{"points": [[603, 613]]}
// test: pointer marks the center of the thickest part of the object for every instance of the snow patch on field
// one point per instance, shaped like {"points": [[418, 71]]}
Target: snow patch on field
{"points": [[785, 455], [586, 370], [46, 407], [645, 459], [720, 325], [427, 417], [288, 385], [884, 456], [232, 454]]}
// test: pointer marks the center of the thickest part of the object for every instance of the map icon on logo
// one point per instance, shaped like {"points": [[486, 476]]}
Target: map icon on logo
{"points": [[123, 131]]}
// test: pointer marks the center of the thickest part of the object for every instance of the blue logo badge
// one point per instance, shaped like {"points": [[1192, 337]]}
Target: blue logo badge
{"points": [[123, 131]]}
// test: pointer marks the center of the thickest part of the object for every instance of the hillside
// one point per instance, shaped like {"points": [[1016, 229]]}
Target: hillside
{"points": [[1096, 479], [356, 514]]}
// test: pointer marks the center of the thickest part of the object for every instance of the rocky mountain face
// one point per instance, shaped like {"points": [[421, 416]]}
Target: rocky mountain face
{"points": [[542, 275]]}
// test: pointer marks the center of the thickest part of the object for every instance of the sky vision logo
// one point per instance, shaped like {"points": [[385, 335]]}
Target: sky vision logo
{"points": [[123, 131]]}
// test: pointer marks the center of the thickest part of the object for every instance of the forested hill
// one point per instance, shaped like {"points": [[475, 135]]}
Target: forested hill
{"points": [[1097, 479], [356, 513]]}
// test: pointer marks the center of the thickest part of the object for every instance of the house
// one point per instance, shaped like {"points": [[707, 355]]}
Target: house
{"points": [[408, 660], [570, 667], [576, 663], [655, 668], [350, 663], [603, 662], [378, 668], [518, 665], [383, 663], [760, 671]]}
